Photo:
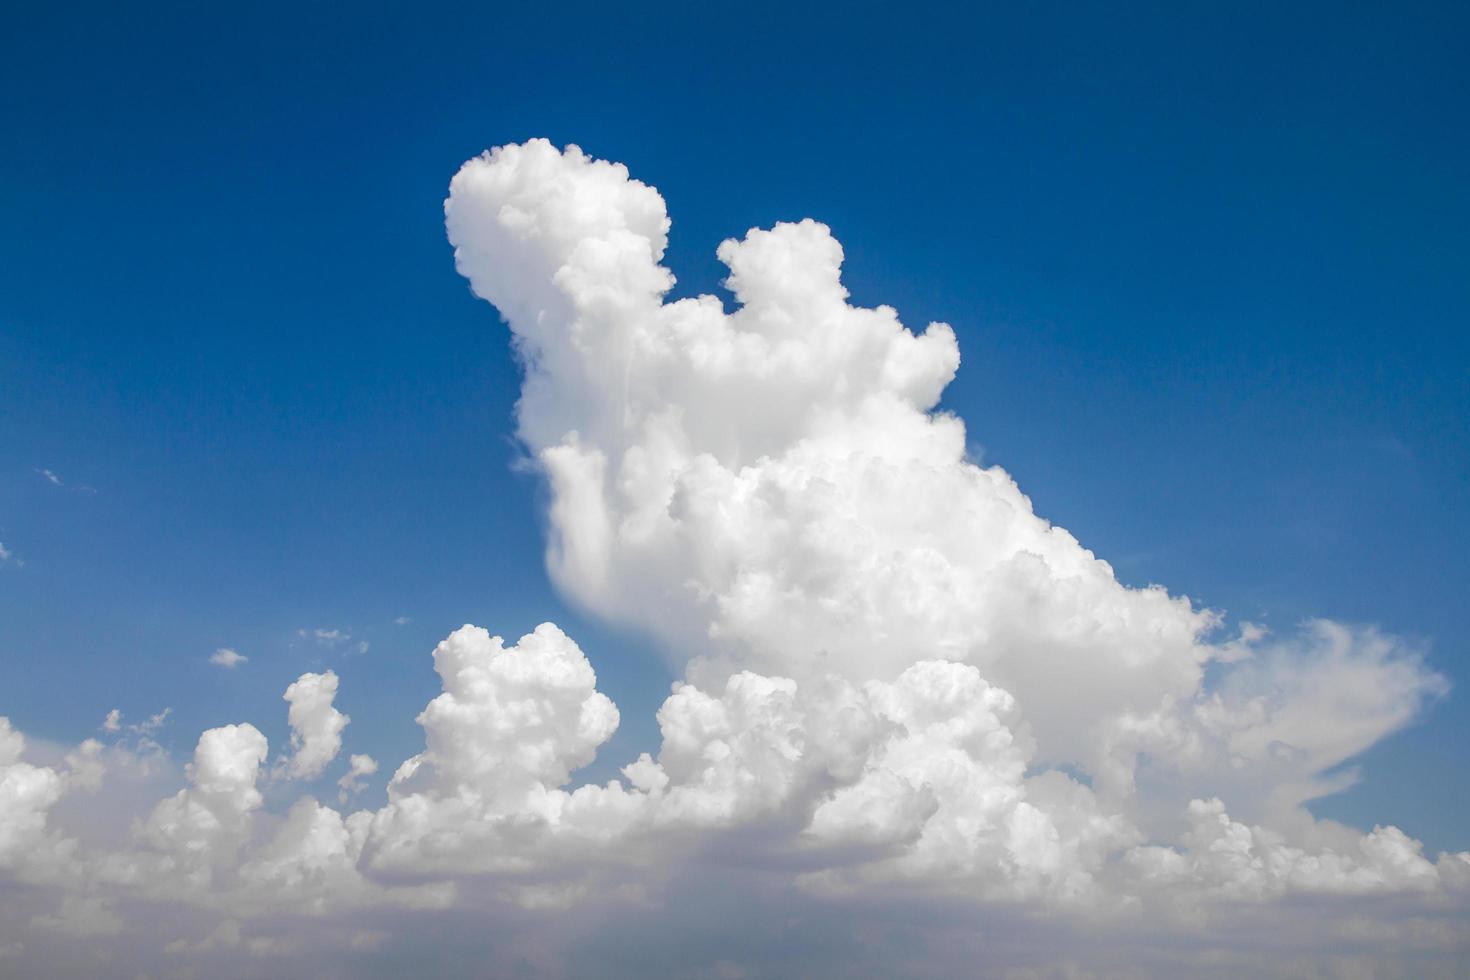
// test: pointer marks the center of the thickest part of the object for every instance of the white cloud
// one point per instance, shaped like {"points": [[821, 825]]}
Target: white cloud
{"points": [[136, 741], [227, 658], [316, 726], [7, 557], [920, 730], [769, 490], [215, 809], [153, 724], [359, 768], [55, 480], [506, 734], [27, 792], [325, 637], [402, 621]]}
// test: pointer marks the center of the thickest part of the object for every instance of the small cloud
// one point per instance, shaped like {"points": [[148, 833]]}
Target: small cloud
{"points": [[138, 737], [402, 621], [153, 724], [53, 478], [327, 638], [227, 658], [362, 647], [361, 766], [7, 557], [316, 726]]}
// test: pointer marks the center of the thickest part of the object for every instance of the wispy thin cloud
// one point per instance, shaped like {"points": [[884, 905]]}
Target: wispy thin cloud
{"points": [[153, 724], [326, 637], [54, 478]]}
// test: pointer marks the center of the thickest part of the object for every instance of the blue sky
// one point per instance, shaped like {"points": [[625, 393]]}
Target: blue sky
{"points": [[1208, 273]]}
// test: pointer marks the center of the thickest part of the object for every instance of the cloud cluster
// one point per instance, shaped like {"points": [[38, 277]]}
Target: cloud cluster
{"points": [[917, 721]]}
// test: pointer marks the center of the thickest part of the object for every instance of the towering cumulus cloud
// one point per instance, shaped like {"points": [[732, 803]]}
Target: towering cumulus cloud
{"points": [[920, 730], [770, 490]]}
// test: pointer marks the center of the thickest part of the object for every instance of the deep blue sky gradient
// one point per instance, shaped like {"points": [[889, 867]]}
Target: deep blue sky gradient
{"points": [[1209, 265]]}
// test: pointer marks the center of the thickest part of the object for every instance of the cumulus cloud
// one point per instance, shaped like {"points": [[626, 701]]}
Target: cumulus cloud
{"points": [[27, 792], [917, 724], [222, 795], [227, 658], [508, 731], [316, 725], [770, 489]]}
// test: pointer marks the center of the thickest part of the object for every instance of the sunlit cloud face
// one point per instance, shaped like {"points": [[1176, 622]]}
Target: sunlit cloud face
{"points": [[918, 723]]}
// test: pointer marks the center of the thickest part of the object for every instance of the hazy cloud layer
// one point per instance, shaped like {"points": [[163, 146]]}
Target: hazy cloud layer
{"points": [[922, 731]]}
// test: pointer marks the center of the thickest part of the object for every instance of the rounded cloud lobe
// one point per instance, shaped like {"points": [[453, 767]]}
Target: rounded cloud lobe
{"points": [[912, 708]]}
